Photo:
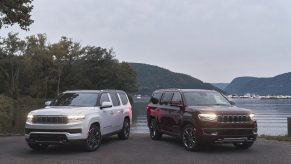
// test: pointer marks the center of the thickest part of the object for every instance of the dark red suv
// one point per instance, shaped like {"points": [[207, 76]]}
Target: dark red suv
{"points": [[200, 116]]}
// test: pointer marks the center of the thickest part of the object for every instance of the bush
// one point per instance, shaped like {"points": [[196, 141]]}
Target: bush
{"points": [[6, 113]]}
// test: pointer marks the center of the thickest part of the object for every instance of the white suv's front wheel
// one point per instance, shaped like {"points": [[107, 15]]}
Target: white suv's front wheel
{"points": [[93, 140]]}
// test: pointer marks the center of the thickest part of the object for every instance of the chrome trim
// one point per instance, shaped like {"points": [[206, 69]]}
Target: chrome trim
{"points": [[50, 119], [231, 140], [233, 118]]}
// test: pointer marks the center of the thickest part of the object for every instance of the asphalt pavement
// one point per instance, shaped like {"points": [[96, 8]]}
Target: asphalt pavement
{"points": [[140, 149]]}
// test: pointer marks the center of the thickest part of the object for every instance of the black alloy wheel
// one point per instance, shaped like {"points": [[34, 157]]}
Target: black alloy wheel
{"points": [[189, 138], [125, 131], [93, 140], [154, 132]]}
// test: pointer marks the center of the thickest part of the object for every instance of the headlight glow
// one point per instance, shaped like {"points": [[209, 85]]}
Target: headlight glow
{"points": [[76, 117], [207, 117], [252, 116], [29, 118]]}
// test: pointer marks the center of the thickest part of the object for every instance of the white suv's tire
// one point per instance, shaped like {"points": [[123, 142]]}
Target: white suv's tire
{"points": [[124, 133], [93, 141]]}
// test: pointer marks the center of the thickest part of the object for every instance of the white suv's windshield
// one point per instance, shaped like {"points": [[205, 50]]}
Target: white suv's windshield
{"points": [[205, 99], [76, 99]]}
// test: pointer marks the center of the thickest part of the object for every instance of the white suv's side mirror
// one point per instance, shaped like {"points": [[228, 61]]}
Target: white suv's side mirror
{"points": [[47, 103], [106, 104]]}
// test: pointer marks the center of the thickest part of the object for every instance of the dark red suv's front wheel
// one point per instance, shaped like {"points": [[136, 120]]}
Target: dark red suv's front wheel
{"points": [[189, 138]]}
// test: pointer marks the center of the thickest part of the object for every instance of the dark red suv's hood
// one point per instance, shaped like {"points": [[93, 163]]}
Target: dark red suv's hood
{"points": [[219, 109]]}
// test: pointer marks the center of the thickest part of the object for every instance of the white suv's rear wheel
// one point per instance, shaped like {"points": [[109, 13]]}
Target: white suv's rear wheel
{"points": [[93, 140], [124, 133]]}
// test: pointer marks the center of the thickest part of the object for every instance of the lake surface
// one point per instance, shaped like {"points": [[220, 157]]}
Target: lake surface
{"points": [[271, 115]]}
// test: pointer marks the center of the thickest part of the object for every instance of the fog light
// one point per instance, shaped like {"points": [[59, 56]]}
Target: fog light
{"points": [[214, 133], [211, 132]]}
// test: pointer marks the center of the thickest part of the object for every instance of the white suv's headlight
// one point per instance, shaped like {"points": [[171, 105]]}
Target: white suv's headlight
{"points": [[29, 118], [207, 117], [252, 116], [73, 118]]}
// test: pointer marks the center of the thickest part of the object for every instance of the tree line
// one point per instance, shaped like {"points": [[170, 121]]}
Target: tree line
{"points": [[33, 67]]}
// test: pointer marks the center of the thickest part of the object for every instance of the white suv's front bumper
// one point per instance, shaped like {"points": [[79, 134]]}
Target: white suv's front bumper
{"points": [[71, 131]]}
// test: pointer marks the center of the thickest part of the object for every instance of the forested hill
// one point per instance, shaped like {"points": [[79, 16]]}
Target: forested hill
{"points": [[278, 85], [150, 78]]}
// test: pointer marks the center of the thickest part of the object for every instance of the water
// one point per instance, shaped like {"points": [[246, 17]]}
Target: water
{"points": [[271, 115]]}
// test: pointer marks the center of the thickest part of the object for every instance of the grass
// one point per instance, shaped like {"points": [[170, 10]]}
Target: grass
{"points": [[278, 138]]}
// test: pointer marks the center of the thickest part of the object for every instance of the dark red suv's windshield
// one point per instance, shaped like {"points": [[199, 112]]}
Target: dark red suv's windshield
{"points": [[205, 99]]}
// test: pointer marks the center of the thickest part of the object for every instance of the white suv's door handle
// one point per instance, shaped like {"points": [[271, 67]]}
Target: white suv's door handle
{"points": [[111, 112]]}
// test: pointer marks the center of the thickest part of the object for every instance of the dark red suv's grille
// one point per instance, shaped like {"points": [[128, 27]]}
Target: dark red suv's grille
{"points": [[37, 119], [233, 118]]}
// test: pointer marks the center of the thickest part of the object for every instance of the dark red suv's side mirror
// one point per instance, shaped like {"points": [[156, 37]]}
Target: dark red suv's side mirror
{"points": [[154, 100]]}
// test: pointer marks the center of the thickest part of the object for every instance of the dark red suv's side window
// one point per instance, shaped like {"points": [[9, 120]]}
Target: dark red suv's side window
{"points": [[166, 98], [177, 98]]}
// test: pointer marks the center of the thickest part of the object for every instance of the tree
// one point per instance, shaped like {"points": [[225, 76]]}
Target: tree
{"points": [[16, 11], [11, 60]]}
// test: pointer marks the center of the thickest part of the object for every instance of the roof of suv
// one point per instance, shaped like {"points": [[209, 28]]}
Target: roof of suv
{"points": [[91, 91], [185, 90]]}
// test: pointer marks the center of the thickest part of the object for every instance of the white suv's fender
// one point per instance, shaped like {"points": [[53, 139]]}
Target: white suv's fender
{"points": [[92, 119]]}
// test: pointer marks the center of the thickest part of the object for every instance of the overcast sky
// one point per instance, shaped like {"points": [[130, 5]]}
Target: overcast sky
{"points": [[213, 40]]}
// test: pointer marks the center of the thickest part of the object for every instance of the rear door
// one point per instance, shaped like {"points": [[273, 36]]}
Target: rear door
{"points": [[175, 113], [106, 115], [164, 116], [117, 111]]}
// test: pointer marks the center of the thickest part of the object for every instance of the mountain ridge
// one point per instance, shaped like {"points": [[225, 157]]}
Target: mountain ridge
{"points": [[277, 85], [151, 77]]}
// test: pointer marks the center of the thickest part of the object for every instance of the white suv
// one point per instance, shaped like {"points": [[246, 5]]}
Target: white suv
{"points": [[85, 116]]}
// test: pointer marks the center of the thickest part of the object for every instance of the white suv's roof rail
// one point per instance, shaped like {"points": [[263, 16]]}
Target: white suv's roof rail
{"points": [[92, 91]]}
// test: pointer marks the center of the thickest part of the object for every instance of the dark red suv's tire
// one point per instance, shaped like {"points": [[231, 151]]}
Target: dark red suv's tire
{"points": [[155, 134], [189, 139], [243, 145]]}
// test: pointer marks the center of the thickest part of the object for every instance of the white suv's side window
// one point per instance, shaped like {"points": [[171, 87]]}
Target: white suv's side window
{"points": [[104, 98], [123, 98], [115, 99]]}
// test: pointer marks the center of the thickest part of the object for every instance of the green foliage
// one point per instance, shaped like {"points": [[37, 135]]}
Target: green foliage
{"points": [[15, 11], [32, 67], [6, 109], [150, 78], [278, 138]]}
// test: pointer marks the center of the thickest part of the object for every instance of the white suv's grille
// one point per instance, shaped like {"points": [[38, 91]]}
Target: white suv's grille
{"points": [[49, 119]]}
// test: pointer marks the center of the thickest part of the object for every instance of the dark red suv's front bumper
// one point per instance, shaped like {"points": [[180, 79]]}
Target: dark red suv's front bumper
{"points": [[225, 133]]}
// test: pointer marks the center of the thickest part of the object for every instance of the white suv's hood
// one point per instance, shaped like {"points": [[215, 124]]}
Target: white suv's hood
{"points": [[63, 110]]}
